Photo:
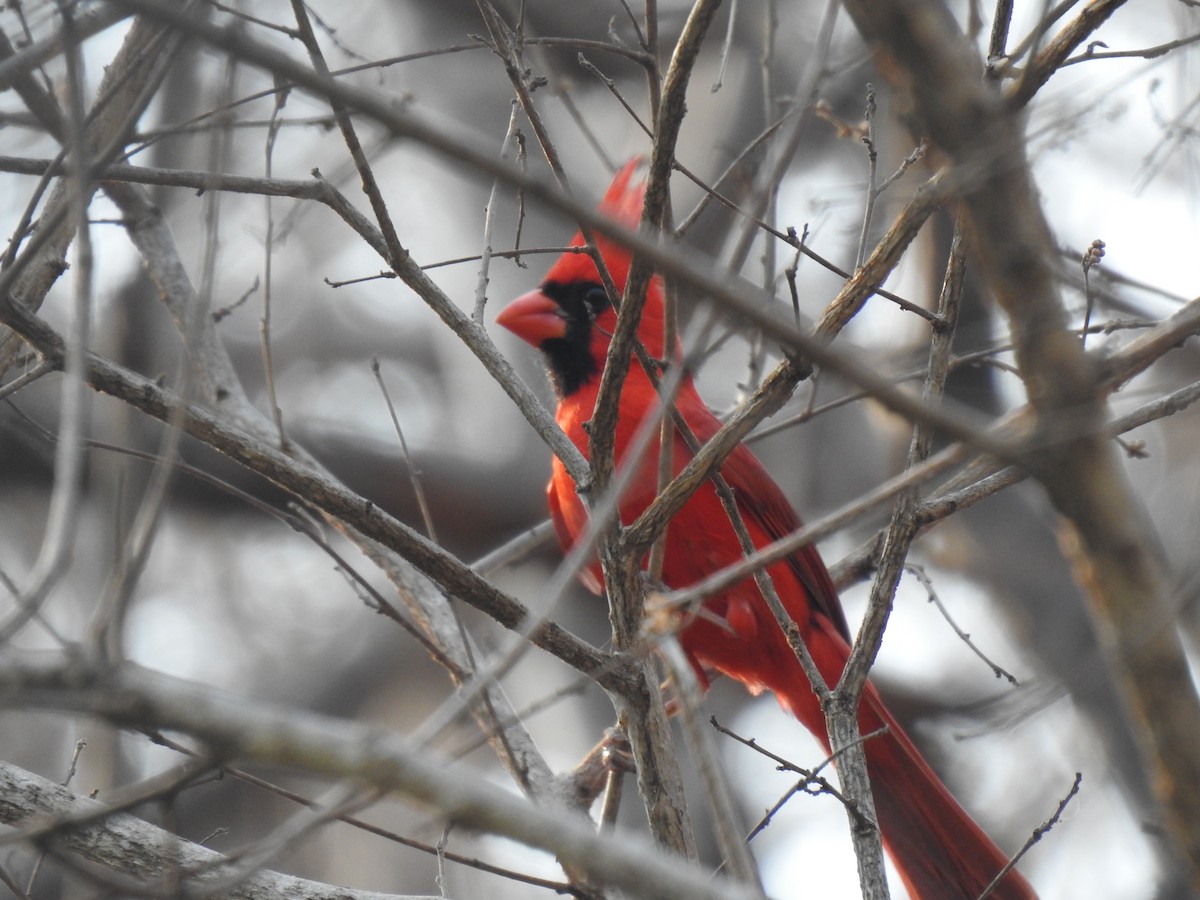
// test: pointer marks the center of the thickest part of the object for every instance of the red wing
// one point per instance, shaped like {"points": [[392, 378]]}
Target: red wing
{"points": [[566, 539], [761, 501]]}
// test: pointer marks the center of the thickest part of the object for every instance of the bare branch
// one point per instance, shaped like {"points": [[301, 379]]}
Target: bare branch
{"points": [[1115, 554], [339, 748], [127, 845]]}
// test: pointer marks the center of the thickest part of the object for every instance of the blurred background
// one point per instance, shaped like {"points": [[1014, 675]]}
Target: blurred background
{"points": [[233, 597]]}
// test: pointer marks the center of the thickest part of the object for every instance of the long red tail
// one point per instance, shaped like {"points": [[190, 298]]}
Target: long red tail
{"points": [[939, 850]]}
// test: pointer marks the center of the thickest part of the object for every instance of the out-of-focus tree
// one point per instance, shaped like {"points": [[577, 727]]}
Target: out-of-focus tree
{"points": [[276, 590]]}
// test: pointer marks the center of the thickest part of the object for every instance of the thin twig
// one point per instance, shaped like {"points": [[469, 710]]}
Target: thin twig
{"points": [[868, 140], [414, 474], [1154, 52], [28, 378], [726, 47], [812, 781], [514, 550], [1091, 259], [489, 219], [264, 322], [589, 66], [931, 594], [736, 857], [1038, 833], [62, 519]]}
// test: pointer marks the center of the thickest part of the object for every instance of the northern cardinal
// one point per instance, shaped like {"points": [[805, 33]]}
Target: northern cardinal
{"points": [[939, 850]]}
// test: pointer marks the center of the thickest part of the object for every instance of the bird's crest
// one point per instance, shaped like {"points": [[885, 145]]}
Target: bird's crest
{"points": [[623, 203]]}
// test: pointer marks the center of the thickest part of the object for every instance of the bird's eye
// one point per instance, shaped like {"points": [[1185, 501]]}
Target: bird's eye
{"points": [[596, 298]]}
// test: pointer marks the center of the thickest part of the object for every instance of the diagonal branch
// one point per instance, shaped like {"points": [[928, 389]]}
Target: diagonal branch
{"points": [[149, 856], [322, 492], [342, 749]]}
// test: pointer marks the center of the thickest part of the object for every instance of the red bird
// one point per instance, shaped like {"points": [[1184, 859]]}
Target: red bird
{"points": [[940, 851]]}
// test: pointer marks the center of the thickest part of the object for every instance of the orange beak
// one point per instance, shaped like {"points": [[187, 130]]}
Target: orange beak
{"points": [[534, 318]]}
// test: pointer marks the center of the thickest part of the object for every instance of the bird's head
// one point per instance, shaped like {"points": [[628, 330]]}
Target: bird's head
{"points": [[569, 317]]}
